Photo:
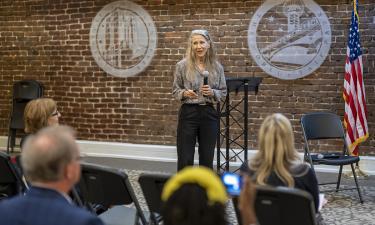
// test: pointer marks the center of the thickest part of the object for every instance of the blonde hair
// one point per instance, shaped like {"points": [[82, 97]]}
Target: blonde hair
{"points": [[37, 112], [210, 59], [276, 150]]}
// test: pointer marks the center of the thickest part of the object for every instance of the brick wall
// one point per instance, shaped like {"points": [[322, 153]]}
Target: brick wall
{"points": [[49, 41]]}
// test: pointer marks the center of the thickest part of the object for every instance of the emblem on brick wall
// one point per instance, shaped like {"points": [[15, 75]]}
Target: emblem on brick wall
{"points": [[123, 38], [289, 39]]}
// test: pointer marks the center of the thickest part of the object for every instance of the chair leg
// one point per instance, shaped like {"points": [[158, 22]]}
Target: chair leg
{"points": [[136, 219], [153, 219], [356, 184], [339, 179], [8, 143], [13, 139], [150, 220], [307, 157]]}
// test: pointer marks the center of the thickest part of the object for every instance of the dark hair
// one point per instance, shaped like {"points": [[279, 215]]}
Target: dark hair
{"points": [[189, 205]]}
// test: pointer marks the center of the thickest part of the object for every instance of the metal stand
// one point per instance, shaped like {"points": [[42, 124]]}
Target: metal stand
{"points": [[232, 116]]}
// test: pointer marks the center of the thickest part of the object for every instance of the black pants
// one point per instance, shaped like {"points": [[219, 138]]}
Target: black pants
{"points": [[196, 122]]}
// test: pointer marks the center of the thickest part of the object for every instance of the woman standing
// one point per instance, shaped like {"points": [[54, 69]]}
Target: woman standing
{"points": [[199, 82]]}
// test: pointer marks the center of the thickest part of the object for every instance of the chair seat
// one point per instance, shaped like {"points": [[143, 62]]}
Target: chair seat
{"points": [[339, 160]]}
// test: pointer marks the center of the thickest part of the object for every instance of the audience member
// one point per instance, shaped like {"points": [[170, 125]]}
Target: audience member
{"points": [[50, 160], [277, 162], [39, 113], [194, 196]]}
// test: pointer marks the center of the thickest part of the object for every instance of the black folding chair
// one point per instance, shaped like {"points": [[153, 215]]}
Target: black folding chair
{"points": [[152, 186], [326, 125], [281, 206], [11, 182], [108, 187], [23, 92]]}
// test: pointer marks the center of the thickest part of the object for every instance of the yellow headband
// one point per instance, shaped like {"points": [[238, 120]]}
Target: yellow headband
{"points": [[202, 176]]}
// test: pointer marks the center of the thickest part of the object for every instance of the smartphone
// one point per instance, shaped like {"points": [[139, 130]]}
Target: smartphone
{"points": [[232, 183]]}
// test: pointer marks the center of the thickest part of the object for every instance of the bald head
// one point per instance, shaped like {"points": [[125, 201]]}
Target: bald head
{"points": [[47, 153]]}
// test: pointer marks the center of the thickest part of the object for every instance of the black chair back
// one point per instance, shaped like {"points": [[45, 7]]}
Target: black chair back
{"points": [[322, 125], [152, 185], [107, 187], [27, 90], [282, 206], [11, 183], [23, 92]]}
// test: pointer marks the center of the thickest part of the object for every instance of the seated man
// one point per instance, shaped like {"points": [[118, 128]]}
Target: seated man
{"points": [[50, 160]]}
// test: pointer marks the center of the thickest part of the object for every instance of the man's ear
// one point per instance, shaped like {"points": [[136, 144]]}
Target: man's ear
{"points": [[69, 171]]}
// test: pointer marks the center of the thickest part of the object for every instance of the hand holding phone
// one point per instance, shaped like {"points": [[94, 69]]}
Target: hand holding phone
{"points": [[232, 183]]}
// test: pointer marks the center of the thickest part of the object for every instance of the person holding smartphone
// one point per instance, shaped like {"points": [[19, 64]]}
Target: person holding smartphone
{"points": [[196, 195], [199, 83], [277, 162], [241, 186]]}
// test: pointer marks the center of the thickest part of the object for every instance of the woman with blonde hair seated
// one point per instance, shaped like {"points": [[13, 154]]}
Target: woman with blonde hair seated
{"points": [[40, 113], [277, 162]]}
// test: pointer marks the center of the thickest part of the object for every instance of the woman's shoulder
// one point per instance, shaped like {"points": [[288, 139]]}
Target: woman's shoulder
{"points": [[300, 169], [246, 169]]}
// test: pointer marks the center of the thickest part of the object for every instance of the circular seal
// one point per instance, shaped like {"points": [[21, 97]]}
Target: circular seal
{"points": [[123, 38], [289, 39]]}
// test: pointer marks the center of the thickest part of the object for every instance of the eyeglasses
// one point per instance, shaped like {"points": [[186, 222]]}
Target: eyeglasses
{"points": [[55, 113]]}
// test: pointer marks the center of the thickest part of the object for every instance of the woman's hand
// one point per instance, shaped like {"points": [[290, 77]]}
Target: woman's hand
{"points": [[207, 91], [190, 94]]}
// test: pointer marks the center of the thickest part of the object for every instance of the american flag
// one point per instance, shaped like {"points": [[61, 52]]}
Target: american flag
{"points": [[355, 118]]}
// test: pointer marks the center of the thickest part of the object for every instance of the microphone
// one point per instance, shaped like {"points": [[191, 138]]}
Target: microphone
{"points": [[205, 77]]}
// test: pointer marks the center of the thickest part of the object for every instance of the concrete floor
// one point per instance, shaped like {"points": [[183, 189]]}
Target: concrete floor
{"points": [[170, 167]]}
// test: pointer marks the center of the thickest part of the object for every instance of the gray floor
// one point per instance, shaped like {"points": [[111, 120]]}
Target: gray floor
{"points": [[342, 208]]}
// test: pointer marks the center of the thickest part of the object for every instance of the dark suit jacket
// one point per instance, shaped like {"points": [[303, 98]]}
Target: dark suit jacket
{"points": [[41, 206]]}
